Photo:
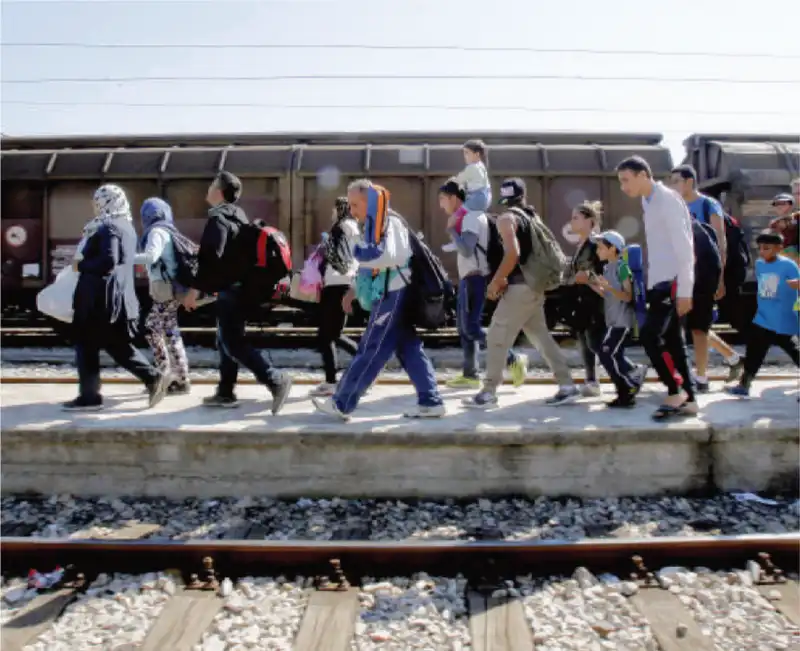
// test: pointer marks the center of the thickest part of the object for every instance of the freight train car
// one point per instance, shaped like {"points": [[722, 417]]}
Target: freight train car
{"points": [[290, 182]]}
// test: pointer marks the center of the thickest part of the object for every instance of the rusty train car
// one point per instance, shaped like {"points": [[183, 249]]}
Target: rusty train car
{"points": [[291, 180]]}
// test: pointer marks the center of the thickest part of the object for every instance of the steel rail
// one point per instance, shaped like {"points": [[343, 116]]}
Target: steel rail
{"points": [[243, 557]]}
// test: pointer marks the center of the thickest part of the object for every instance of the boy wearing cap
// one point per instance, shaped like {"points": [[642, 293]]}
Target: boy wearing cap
{"points": [[616, 289], [775, 323]]}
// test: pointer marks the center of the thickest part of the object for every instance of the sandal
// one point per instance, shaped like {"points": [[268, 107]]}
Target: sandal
{"points": [[665, 412]]}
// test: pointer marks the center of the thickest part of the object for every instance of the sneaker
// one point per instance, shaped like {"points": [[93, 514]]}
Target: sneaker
{"points": [[220, 401], [482, 400], [701, 387], [519, 370], [328, 407], [621, 403], [735, 371], [323, 390], [280, 394], [179, 389], [83, 404], [739, 391], [422, 411], [158, 390], [564, 396], [463, 382], [591, 389], [639, 375]]}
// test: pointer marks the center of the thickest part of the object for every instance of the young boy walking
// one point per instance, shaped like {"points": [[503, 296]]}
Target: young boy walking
{"points": [[616, 289], [776, 321]]}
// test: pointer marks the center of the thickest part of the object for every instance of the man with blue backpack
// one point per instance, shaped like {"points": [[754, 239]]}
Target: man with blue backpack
{"points": [[720, 269], [400, 294]]}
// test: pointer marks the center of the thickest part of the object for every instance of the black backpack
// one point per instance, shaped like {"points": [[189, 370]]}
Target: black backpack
{"points": [[185, 257], [430, 291], [737, 260], [708, 263]]}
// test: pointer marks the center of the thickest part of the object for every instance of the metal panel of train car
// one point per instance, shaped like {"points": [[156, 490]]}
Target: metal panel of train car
{"points": [[22, 232], [193, 163], [258, 161], [78, 164], [24, 165], [132, 162]]}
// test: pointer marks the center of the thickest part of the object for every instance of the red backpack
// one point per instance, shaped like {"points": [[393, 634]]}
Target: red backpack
{"points": [[266, 257]]}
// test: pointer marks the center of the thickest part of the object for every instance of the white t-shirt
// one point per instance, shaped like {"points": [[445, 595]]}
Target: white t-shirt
{"points": [[333, 277], [478, 223]]}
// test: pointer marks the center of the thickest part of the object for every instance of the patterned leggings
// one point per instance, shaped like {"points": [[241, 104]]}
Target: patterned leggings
{"points": [[164, 337]]}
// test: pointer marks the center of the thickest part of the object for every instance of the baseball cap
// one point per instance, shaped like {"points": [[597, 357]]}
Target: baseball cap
{"points": [[512, 189], [783, 197], [611, 237]]}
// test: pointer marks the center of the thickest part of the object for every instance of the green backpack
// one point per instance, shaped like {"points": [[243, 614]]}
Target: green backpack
{"points": [[543, 269]]}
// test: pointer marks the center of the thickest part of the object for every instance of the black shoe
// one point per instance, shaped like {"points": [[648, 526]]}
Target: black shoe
{"points": [[178, 389], [220, 401], [622, 403], [281, 393], [83, 404], [701, 387]]}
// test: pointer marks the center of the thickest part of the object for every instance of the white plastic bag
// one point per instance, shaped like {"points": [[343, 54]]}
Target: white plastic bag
{"points": [[56, 300]]}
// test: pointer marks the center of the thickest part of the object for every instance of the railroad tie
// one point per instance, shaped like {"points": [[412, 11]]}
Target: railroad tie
{"points": [[497, 623]]}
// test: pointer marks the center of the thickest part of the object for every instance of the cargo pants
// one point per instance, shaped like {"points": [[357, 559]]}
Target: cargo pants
{"points": [[521, 309]]}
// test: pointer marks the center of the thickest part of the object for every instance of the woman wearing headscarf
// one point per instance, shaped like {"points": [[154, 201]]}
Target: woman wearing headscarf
{"points": [[105, 303], [161, 325], [339, 271]]}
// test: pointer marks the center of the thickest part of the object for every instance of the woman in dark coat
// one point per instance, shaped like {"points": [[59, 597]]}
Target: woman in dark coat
{"points": [[105, 303]]}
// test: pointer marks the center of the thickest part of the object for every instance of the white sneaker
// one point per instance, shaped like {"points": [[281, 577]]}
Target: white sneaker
{"points": [[323, 390], [329, 408], [421, 411], [591, 389]]}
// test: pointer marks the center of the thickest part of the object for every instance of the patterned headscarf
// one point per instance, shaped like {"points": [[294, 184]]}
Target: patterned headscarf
{"points": [[110, 202]]}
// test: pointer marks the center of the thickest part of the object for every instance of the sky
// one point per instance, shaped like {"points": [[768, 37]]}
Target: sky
{"points": [[466, 44]]}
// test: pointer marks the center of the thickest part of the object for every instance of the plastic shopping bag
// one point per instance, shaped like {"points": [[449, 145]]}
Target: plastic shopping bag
{"points": [[56, 300], [308, 285]]}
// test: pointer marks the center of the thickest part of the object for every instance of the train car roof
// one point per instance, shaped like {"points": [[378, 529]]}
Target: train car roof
{"points": [[355, 138]]}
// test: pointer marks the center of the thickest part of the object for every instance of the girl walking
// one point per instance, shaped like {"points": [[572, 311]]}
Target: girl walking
{"points": [[161, 325]]}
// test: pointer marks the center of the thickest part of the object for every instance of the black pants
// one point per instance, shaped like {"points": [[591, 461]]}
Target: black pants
{"points": [[234, 349], [121, 350], [662, 339], [589, 341], [759, 342], [617, 365], [332, 320]]}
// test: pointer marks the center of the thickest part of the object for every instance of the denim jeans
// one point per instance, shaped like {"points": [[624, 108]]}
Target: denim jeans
{"points": [[471, 299]]}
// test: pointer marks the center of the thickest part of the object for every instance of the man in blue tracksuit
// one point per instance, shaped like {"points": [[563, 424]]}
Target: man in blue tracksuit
{"points": [[381, 287]]}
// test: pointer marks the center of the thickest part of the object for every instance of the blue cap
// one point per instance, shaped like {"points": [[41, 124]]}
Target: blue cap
{"points": [[613, 238]]}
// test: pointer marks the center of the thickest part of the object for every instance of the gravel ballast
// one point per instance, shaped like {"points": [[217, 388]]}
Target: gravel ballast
{"points": [[338, 519]]}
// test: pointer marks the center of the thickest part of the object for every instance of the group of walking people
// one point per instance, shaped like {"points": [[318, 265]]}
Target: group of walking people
{"points": [[367, 258]]}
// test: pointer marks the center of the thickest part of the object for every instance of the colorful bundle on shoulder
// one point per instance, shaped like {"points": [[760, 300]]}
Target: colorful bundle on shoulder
{"points": [[371, 283]]}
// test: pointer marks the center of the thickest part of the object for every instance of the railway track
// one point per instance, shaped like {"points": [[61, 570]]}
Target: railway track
{"points": [[490, 604], [267, 337]]}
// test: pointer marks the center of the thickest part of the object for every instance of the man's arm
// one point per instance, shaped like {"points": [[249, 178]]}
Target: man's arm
{"points": [[506, 226], [678, 223]]}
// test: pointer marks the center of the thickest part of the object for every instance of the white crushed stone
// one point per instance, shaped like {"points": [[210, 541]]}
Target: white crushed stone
{"points": [[365, 519], [583, 614], [260, 613], [421, 612], [115, 611], [731, 611]]}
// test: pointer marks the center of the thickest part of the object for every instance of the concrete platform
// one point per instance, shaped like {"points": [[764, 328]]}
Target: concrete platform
{"points": [[181, 449]]}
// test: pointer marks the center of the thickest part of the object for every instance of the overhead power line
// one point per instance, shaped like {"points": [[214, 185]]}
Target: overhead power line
{"points": [[371, 77], [437, 107], [399, 47]]}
